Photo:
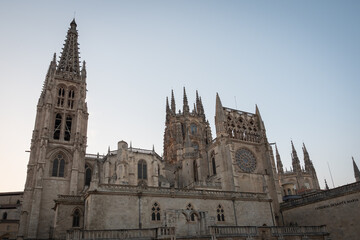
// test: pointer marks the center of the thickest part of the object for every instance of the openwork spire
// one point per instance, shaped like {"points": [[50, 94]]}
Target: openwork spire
{"points": [[69, 63], [308, 164]]}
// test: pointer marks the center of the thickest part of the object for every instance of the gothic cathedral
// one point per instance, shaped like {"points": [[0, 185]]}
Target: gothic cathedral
{"points": [[199, 185]]}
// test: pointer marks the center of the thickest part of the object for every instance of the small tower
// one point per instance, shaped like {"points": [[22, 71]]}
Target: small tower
{"points": [[295, 160], [186, 138], [278, 162], [57, 158], [356, 171]]}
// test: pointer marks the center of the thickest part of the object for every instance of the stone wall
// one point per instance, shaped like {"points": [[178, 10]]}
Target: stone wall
{"points": [[120, 208], [10, 209], [337, 208]]}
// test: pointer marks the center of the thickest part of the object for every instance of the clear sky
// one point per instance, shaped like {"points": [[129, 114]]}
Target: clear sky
{"points": [[299, 61]]}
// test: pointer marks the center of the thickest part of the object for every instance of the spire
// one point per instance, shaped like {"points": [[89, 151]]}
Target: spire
{"points": [[326, 185], [51, 70], [185, 105], [279, 164], [257, 112], [199, 107], [356, 171], [83, 70], [295, 159], [219, 118], [173, 107], [308, 164], [167, 106], [69, 59]]}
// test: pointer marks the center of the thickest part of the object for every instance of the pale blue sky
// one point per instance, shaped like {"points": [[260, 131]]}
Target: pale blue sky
{"points": [[299, 61]]}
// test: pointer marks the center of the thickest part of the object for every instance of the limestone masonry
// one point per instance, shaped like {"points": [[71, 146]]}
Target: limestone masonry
{"points": [[228, 187]]}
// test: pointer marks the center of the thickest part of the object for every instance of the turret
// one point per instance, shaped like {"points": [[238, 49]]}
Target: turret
{"points": [[219, 118], [295, 159], [279, 164], [173, 106], [356, 171], [185, 103]]}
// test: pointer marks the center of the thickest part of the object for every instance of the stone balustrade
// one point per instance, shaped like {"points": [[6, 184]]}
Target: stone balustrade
{"points": [[246, 231], [150, 233], [250, 231]]}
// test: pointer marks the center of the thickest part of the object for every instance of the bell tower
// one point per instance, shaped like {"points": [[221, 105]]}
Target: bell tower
{"points": [[57, 157], [186, 140]]}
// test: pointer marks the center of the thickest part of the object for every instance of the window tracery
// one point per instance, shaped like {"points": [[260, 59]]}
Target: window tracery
{"points": [[220, 213], [88, 174], [57, 126], [68, 123], [192, 215], [142, 170], [243, 126], [61, 97], [213, 163], [71, 98], [58, 166], [155, 212]]}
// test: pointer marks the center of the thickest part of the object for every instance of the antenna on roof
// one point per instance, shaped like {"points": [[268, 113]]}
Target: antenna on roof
{"points": [[235, 103], [331, 175]]}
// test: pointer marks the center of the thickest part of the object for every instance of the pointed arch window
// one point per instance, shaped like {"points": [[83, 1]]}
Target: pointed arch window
{"points": [[220, 213], [71, 97], [195, 171], [213, 163], [4, 216], [58, 166], [68, 128], [76, 218], [61, 97], [155, 212], [88, 174], [191, 208], [57, 126], [142, 170], [193, 129]]}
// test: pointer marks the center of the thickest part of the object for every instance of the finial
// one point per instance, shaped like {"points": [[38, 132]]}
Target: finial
{"points": [[130, 144], [73, 23], [173, 107], [109, 150], [185, 103], [153, 149]]}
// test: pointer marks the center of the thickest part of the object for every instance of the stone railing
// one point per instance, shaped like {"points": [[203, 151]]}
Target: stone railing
{"points": [[151, 233], [299, 231], [204, 184], [247, 231], [319, 196], [250, 231], [181, 192], [94, 156]]}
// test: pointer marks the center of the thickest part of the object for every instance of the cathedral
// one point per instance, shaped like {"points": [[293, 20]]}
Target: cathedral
{"points": [[232, 186]]}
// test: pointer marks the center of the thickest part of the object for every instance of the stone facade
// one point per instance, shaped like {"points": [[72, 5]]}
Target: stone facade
{"points": [[336, 208], [225, 188], [10, 209]]}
